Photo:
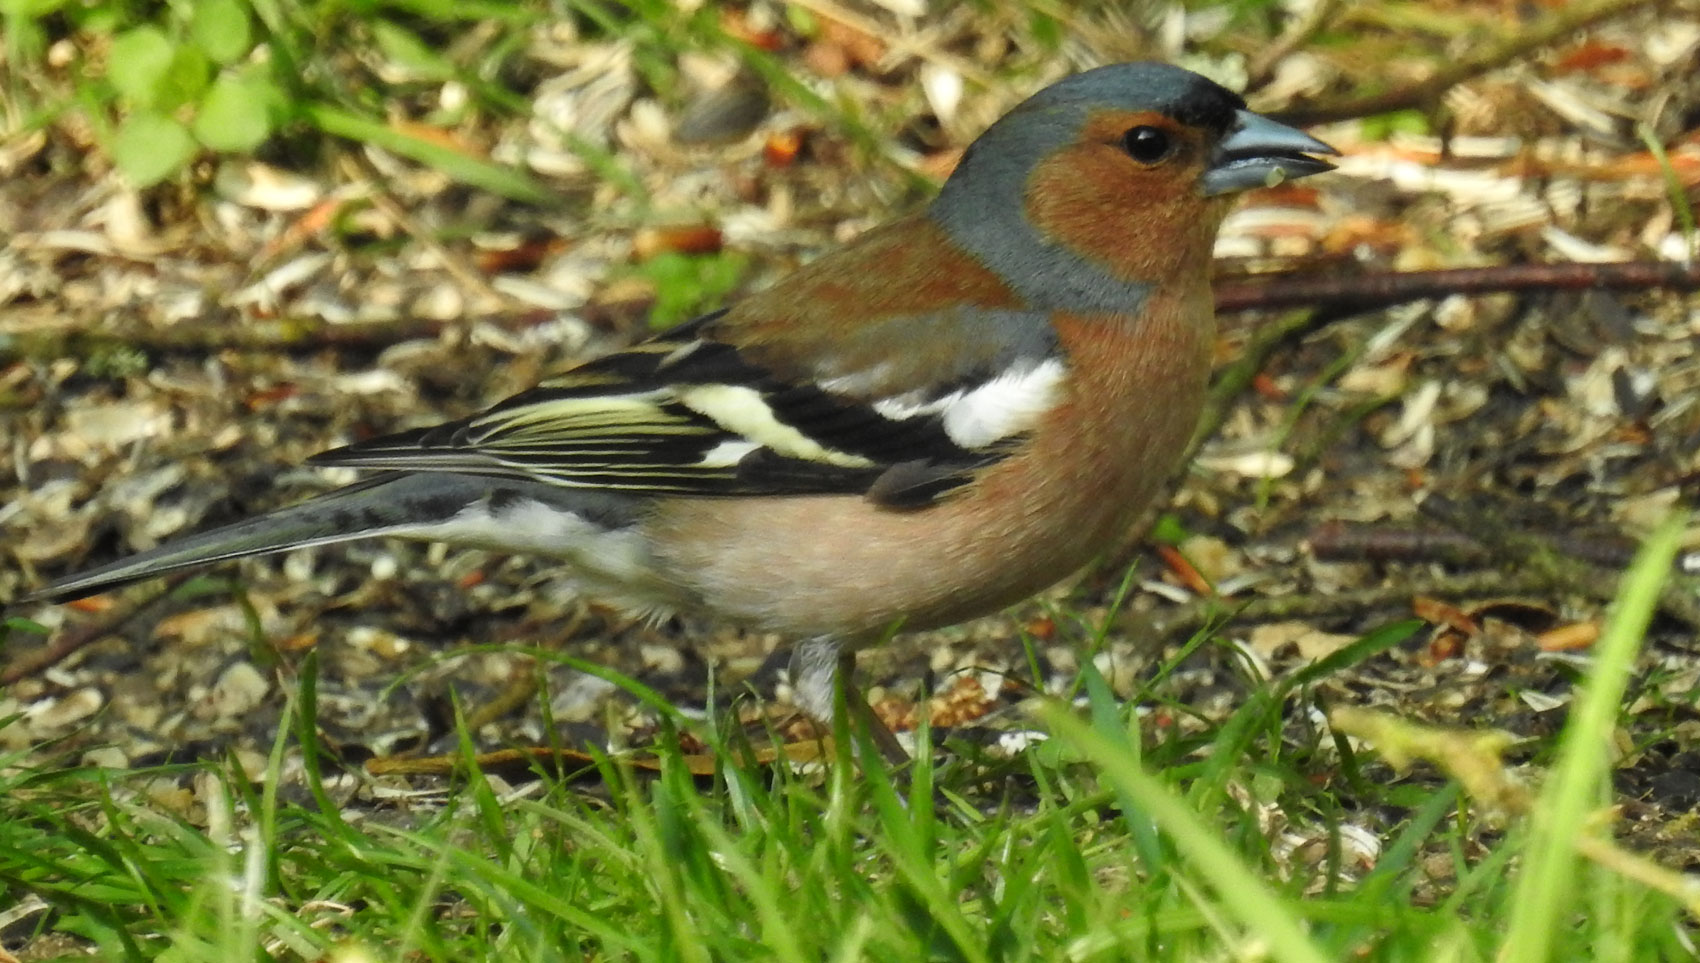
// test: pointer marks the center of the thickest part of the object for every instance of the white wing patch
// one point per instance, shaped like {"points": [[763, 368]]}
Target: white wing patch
{"points": [[1009, 404], [726, 454], [857, 382], [742, 411]]}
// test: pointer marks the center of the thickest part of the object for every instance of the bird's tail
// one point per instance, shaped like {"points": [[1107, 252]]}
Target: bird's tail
{"points": [[422, 505]]}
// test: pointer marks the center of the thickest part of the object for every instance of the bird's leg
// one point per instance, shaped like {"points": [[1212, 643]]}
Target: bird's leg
{"points": [[820, 668]]}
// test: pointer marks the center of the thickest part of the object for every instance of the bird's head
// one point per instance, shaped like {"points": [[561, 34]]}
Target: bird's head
{"points": [[1123, 171]]}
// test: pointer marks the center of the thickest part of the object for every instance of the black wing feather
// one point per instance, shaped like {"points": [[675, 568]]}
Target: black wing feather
{"points": [[641, 420]]}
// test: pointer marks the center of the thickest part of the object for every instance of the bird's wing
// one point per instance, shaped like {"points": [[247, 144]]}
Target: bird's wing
{"points": [[690, 413]]}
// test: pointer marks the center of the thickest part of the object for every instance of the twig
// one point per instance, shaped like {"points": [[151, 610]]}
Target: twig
{"points": [[1341, 295], [528, 680], [1342, 542], [1328, 299], [1359, 542], [1377, 290], [1562, 27], [904, 45], [70, 642], [287, 334], [1538, 556], [260, 335], [523, 760], [1196, 615]]}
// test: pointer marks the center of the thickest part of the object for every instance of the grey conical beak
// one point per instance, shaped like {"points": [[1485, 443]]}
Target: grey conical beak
{"points": [[1258, 152]]}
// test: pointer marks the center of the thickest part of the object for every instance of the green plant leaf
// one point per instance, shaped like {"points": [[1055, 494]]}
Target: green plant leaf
{"points": [[465, 11], [1383, 126], [237, 115], [150, 147], [405, 49], [104, 20], [18, 623], [185, 80], [221, 30], [139, 62], [30, 9], [25, 40], [688, 284]]}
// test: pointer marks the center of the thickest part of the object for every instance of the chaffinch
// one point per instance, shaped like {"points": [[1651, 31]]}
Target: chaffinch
{"points": [[945, 415]]}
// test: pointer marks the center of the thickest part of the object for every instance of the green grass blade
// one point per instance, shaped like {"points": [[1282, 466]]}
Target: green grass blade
{"points": [[1239, 891], [1548, 886], [506, 181]]}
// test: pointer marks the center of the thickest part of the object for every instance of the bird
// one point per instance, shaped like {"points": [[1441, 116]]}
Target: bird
{"points": [[941, 417]]}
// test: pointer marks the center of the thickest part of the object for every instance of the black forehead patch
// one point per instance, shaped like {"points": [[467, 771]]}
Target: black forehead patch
{"points": [[1175, 92]]}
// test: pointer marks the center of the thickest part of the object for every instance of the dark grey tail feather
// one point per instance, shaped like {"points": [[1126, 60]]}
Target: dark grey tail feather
{"points": [[367, 508], [392, 504]]}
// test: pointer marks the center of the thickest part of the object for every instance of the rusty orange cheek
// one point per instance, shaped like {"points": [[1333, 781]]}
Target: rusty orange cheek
{"points": [[1095, 201]]}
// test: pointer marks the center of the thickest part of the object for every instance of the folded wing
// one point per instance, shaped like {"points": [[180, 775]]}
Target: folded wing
{"points": [[690, 414]]}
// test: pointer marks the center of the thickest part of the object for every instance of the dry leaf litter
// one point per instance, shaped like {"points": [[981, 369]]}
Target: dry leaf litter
{"points": [[140, 403]]}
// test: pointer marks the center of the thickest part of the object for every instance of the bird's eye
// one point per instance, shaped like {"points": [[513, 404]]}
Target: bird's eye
{"points": [[1147, 145]]}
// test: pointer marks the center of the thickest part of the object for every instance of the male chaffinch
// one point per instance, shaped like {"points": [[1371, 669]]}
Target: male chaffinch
{"points": [[934, 421]]}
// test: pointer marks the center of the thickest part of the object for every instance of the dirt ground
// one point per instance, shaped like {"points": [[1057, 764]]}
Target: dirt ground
{"points": [[1484, 462]]}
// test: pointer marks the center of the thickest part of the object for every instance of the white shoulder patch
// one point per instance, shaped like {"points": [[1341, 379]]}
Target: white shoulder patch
{"points": [[1009, 404]]}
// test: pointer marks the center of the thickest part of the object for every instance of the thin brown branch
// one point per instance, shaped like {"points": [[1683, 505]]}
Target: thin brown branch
{"points": [[1337, 541], [1562, 26], [1536, 569], [1323, 300], [470, 279], [903, 43], [1391, 599], [527, 681], [518, 762], [1538, 556], [1378, 290], [72, 641], [1339, 294], [287, 334]]}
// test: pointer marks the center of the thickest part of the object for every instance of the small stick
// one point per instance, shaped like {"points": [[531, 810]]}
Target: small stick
{"points": [[1321, 605], [1354, 542], [71, 641], [1382, 289]]}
